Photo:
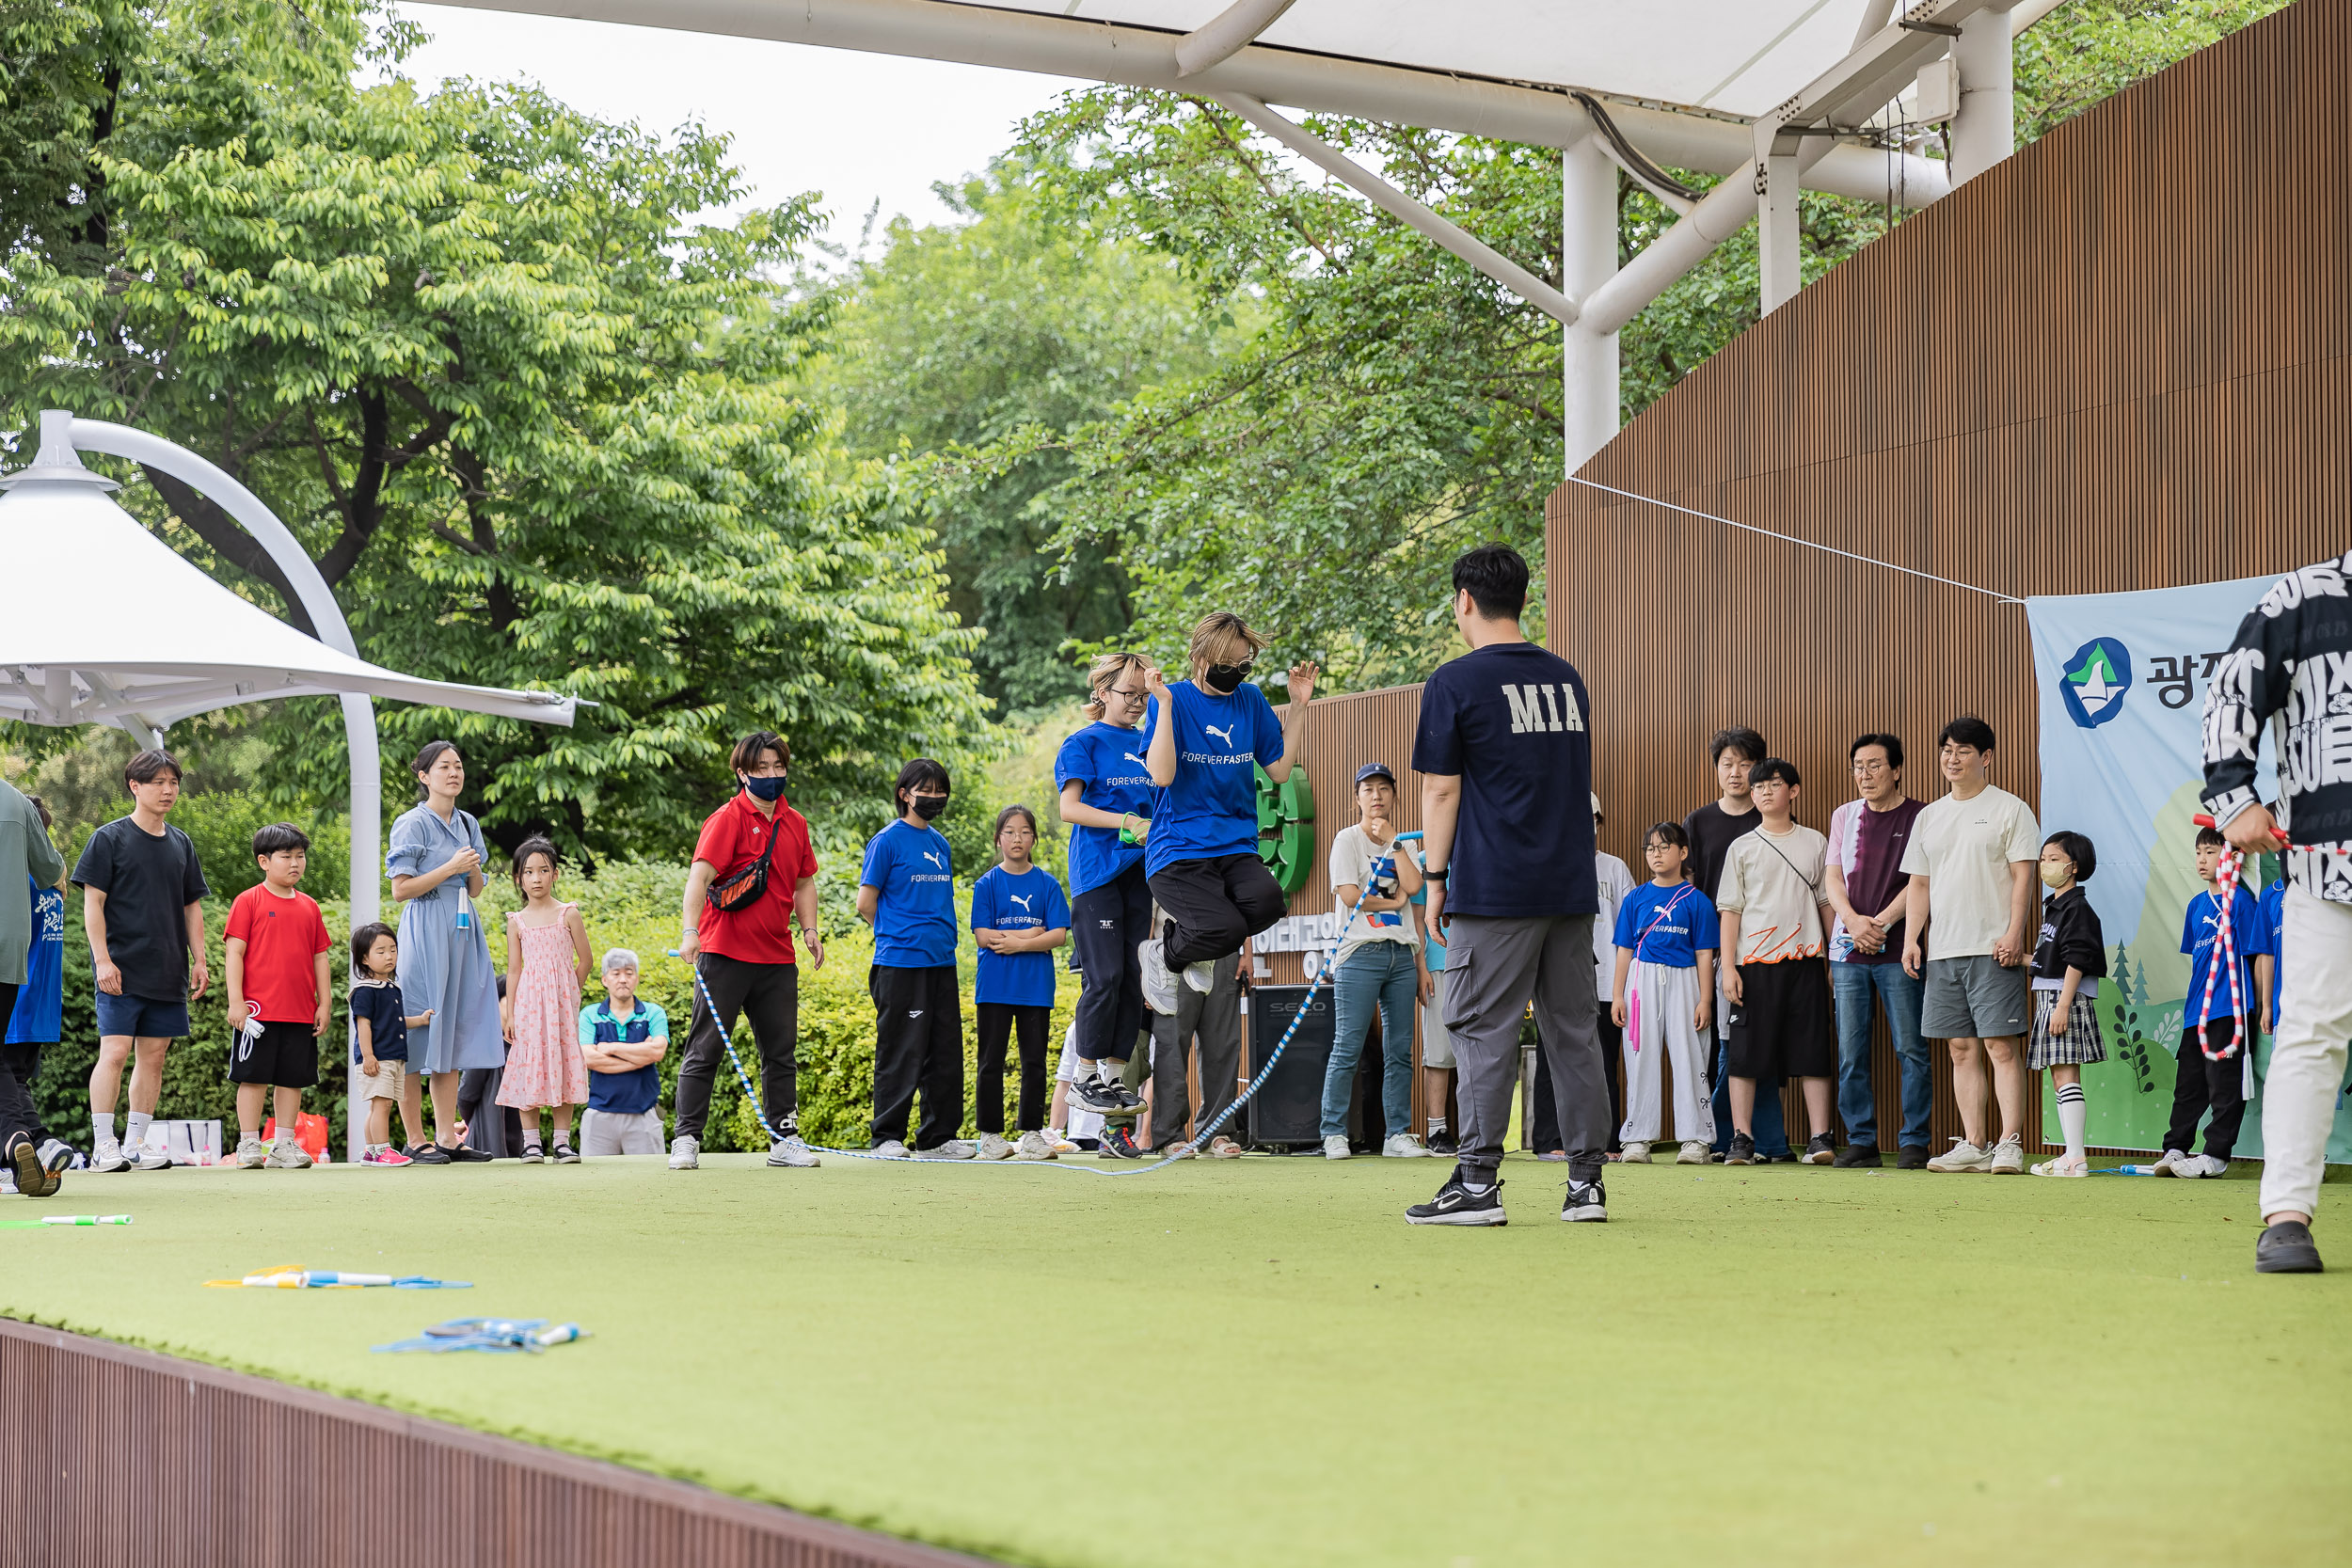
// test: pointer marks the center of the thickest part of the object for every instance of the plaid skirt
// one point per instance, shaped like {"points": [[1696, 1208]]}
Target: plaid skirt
{"points": [[2080, 1045]]}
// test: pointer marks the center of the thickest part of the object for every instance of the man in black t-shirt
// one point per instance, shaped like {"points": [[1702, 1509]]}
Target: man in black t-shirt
{"points": [[141, 892], [1506, 761], [1712, 829]]}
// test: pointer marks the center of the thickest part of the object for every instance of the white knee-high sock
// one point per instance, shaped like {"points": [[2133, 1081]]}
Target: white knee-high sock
{"points": [[2074, 1112]]}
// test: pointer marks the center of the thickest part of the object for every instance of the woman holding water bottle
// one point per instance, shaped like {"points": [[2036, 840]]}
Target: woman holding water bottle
{"points": [[435, 860]]}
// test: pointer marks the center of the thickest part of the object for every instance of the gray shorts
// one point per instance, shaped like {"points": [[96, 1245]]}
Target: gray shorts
{"points": [[610, 1133], [1437, 1046], [1975, 999]]}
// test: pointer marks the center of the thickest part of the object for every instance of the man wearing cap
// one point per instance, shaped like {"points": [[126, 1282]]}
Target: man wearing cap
{"points": [[1378, 970]]}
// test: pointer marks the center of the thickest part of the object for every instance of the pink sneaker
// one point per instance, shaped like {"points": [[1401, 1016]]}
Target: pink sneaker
{"points": [[385, 1156]]}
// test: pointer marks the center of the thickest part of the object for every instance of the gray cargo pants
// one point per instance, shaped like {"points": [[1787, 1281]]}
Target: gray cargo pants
{"points": [[1493, 967]]}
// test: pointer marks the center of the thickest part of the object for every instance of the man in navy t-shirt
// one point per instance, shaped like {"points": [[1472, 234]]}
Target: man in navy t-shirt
{"points": [[1205, 738], [1505, 755]]}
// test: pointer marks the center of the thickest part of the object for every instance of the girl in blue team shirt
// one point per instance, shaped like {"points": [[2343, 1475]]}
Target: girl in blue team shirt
{"points": [[1205, 738], [1106, 801], [1666, 941], [1019, 917], [907, 893]]}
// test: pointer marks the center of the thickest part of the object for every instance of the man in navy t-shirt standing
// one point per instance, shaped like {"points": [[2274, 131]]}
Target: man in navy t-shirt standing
{"points": [[1505, 755]]}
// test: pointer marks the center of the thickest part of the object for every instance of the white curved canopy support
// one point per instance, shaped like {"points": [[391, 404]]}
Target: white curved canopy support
{"points": [[1453, 236], [1226, 34]]}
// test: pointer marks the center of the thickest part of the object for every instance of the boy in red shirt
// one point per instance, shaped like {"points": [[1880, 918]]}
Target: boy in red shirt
{"points": [[278, 996]]}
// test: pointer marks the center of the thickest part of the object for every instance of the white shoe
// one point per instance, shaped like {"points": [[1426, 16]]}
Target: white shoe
{"points": [[2062, 1165], [286, 1154], [1636, 1153], [993, 1147], [148, 1157], [1159, 986], [1964, 1156], [252, 1154], [793, 1152], [2169, 1163], [1034, 1145], [108, 1157], [891, 1148], [1335, 1148], [2190, 1167], [1058, 1141], [1693, 1153], [685, 1154], [954, 1149], [1403, 1146], [1201, 977], [2007, 1158]]}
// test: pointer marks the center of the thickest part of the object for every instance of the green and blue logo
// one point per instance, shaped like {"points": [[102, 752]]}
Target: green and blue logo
{"points": [[2094, 681]]}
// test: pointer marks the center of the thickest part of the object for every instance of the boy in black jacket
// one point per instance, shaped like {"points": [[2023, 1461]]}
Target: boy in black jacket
{"points": [[2073, 950]]}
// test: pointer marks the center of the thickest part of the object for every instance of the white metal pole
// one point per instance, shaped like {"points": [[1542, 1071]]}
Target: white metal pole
{"points": [[1984, 131], [1780, 254], [1588, 259]]}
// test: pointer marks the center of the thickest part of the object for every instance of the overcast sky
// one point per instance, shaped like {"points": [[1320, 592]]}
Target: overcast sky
{"points": [[860, 128]]}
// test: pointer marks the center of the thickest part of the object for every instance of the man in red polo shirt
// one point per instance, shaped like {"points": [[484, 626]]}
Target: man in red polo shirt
{"points": [[744, 953]]}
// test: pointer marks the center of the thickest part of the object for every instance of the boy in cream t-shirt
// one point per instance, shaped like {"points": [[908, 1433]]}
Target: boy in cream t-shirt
{"points": [[1775, 927]]}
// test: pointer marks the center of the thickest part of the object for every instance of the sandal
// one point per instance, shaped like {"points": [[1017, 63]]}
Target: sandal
{"points": [[531, 1154], [2062, 1165]]}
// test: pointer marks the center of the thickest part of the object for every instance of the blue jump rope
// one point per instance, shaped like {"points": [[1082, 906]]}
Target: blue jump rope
{"points": [[1199, 1141]]}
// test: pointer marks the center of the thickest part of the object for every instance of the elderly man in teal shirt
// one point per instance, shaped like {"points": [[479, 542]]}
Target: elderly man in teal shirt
{"points": [[24, 850]]}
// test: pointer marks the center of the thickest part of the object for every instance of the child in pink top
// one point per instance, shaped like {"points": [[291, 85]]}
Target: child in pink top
{"points": [[547, 961]]}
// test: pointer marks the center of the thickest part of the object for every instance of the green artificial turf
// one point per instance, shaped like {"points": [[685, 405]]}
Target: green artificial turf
{"points": [[1259, 1362]]}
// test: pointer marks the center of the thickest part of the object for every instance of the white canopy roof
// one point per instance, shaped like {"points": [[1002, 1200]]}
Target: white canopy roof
{"points": [[106, 625]]}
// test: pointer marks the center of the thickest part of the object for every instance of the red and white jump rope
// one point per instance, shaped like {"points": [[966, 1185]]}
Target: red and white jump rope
{"points": [[2225, 939]]}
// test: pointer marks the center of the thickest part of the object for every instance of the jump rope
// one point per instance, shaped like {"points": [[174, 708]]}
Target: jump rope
{"points": [[2225, 941], [1199, 1141]]}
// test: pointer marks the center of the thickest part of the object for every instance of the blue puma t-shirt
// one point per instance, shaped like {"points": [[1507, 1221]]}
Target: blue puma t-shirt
{"points": [[1029, 902], [915, 919], [1212, 808], [40, 1001], [1510, 721], [1107, 762]]}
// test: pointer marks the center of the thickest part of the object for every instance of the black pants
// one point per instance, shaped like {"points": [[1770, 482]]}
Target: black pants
{"points": [[771, 993], [1548, 1139], [918, 1042], [500, 1135], [17, 1117], [2198, 1083], [1105, 923], [23, 1064], [1213, 906], [999, 1021]]}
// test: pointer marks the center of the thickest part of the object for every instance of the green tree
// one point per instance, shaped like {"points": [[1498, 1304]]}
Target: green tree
{"points": [[966, 332], [533, 422]]}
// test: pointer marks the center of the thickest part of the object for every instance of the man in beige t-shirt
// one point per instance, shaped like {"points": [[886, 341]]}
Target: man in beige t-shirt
{"points": [[1971, 865]]}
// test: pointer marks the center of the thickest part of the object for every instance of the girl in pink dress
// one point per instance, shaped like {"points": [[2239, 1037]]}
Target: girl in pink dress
{"points": [[547, 961]]}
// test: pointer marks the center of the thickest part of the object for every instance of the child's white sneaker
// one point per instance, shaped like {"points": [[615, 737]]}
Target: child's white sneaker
{"points": [[286, 1154], [1201, 977], [1034, 1145], [993, 1147], [1962, 1156], [1335, 1148], [685, 1154], [1636, 1153], [2169, 1163], [1694, 1153], [1159, 986], [252, 1154], [2192, 1167]]}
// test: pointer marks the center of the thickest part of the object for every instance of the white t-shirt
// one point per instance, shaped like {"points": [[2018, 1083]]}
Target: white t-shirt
{"points": [[1352, 856], [1616, 885], [1773, 881], [1965, 848]]}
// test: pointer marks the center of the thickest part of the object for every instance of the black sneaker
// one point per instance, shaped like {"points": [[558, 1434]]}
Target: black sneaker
{"points": [[2285, 1246], [1742, 1150], [1821, 1149], [1104, 1100], [1587, 1200], [466, 1154], [1862, 1154], [1116, 1143], [1441, 1142], [1457, 1204], [429, 1154], [1910, 1157]]}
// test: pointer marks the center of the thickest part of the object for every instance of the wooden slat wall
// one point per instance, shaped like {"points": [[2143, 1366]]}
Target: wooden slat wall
{"points": [[2117, 361]]}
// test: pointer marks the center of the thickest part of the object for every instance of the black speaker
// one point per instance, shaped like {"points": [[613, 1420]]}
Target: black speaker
{"points": [[1289, 1108]]}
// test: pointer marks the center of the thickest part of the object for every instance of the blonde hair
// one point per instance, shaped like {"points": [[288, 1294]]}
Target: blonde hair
{"points": [[1216, 633], [1100, 674]]}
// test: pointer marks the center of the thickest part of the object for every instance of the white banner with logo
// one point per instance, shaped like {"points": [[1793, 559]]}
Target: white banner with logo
{"points": [[2122, 680]]}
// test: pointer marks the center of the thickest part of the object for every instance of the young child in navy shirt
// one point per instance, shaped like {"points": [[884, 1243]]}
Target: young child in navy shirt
{"points": [[907, 893], [1019, 916], [2222, 1022], [1204, 739], [380, 1022], [1666, 938]]}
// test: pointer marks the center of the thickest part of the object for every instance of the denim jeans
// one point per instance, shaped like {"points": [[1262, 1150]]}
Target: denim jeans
{"points": [[1853, 984], [1377, 974]]}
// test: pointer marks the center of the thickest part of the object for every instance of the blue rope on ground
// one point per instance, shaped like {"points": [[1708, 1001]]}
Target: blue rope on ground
{"points": [[1198, 1140]]}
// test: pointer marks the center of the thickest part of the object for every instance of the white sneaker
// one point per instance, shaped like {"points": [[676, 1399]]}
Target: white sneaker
{"points": [[1694, 1153], [1335, 1148], [1058, 1141], [891, 1148], [954, 1149], [2190, 1167], [793, 1151], [286, 1154], [1636, 1153], [2169, 1163], [993, 1147], [685, 1154], [2007, 1158], [1403, 1146], [252, 1154], [1034, 1145], [1964, 1156], [148, 1157], [1159, 986], [108, 1156], [1201, 977]]}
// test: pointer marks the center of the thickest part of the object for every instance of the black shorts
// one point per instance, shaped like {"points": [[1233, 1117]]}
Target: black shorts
{"points": [[1783, 1026], [287, 1054]]}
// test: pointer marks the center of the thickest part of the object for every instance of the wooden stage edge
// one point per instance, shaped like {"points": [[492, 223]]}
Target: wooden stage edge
{"points": [[111, 1453]]}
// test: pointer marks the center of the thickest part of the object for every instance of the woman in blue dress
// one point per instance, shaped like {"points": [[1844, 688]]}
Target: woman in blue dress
{"points": [[435, 859]]}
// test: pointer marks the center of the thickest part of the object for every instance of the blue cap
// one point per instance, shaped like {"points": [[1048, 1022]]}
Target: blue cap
{"points": [[1375, 770]]}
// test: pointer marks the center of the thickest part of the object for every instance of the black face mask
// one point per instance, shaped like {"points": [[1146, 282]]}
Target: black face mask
{"points": [[766, 788], [928, 806], [1225, 679]]}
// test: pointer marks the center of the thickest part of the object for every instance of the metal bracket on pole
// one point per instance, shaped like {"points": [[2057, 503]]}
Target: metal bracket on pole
{"points": [[1779, 236]]}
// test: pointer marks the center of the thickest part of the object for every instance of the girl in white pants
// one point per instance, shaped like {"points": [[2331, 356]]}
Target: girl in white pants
{"points": [[1666, 939]]}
